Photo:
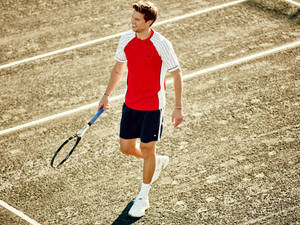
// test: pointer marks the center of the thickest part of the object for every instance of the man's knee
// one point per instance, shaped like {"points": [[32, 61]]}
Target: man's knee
{"points": [[148, 149], [127, 147], [126, 150]]}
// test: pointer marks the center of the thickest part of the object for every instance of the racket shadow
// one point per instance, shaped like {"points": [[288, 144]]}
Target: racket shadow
{"points": [[123, 218]]}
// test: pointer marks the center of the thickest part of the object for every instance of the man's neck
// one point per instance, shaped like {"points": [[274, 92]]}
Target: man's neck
{"points": [[144, 34]]}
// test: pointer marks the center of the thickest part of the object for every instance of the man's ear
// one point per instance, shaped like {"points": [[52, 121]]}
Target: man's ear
{"points": [[149, 22]]}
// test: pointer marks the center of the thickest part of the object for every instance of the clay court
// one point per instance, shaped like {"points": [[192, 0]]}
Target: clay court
{"points": [[234, 160]]}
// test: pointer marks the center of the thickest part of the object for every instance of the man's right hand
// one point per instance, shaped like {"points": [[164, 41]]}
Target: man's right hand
{"points": [[104, 102]]}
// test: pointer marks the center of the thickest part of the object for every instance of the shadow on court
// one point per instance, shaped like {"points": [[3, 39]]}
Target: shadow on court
{"points": [[124, 219]]}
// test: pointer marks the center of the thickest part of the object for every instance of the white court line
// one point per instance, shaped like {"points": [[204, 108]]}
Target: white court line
{"points": [[293, 2], [18, 213], [119, 34], [244, 59], [185, 77], [255, 221]]}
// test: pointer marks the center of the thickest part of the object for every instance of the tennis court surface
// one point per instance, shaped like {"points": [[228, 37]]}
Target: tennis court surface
{"points": [[234, 160]]}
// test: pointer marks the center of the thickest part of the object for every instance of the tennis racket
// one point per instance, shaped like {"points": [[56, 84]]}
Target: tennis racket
{"points": [[63, 153]]}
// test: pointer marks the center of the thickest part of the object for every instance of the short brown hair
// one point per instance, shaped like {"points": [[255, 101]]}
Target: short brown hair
{"points": [[147, 8]]}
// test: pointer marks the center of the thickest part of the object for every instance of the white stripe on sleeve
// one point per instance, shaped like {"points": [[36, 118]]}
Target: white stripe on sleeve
{"points": [[124, 40], [166, 51]]}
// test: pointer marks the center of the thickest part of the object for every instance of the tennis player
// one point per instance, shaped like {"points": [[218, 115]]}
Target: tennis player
{"points": [[148, 56]]}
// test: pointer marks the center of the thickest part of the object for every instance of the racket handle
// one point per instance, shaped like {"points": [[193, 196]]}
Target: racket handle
{"points": [[96, 116]]}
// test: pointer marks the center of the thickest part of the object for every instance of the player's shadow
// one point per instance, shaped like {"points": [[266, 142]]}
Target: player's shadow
{"points": [[124, 219]]}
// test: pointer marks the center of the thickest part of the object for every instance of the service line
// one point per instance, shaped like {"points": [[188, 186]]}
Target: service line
{"points": [[185, 77], [118, 34], [18, 213]]}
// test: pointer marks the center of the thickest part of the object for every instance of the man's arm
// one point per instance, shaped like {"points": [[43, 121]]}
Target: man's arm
{"points": [[115, 77], [177, 115]]}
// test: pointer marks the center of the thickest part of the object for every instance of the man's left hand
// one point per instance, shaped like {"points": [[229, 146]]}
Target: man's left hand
{"points": [[177, 117]]}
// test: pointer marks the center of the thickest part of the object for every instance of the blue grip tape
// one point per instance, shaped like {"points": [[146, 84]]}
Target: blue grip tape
{"points": [[96, 116]]}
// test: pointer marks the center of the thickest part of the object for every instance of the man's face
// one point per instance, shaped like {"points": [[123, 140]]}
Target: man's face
{"points": [[138, 22]]}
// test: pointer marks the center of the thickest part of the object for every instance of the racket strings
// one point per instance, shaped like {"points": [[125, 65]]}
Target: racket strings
{"points": [[65, 150]]}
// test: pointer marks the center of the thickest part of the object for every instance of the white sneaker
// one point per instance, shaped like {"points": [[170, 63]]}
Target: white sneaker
{"points": [[161, 163], [139, 207]]}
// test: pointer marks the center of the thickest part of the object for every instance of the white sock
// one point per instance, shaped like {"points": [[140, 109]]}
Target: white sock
{"points": [[144, 190]]}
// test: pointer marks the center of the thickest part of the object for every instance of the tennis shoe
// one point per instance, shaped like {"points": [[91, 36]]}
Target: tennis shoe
{"points": [[161, 163], [139, 207]]}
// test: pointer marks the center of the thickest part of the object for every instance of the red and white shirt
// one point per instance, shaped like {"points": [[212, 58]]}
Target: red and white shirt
{"points": [[147, 62]]}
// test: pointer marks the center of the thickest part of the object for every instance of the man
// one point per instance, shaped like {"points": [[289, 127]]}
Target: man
{"points": [[149, 56]]}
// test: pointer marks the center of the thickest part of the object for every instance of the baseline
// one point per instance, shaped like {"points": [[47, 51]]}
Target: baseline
{"points": [[18, 213]]}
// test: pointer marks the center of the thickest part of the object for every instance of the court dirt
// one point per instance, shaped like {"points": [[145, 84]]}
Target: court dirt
{"points": [[234, 160]]}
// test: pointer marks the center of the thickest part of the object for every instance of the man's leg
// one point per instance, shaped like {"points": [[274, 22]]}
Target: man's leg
{"points": [[151, 169], [148, 152], [141, 202], [150, 133], [128, 147]]}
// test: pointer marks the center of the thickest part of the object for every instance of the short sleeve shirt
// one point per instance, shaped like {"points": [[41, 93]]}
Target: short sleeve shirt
{"points": [[147, 62]]}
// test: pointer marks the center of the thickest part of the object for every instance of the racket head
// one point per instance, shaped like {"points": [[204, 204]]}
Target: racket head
{"points": [[64, 151]]}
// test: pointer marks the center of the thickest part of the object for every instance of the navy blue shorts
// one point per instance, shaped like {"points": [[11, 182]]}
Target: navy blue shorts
{"points": [[146, 125]]}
